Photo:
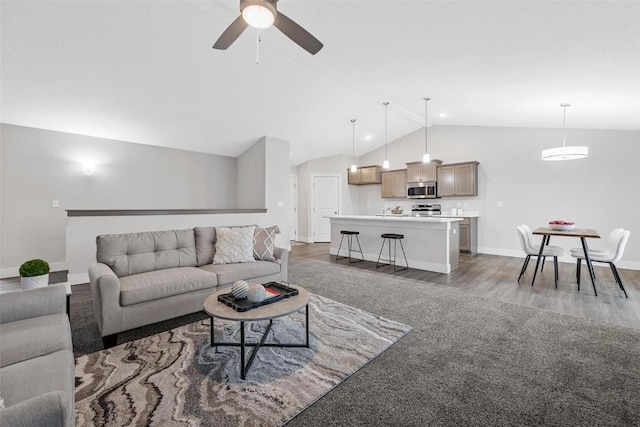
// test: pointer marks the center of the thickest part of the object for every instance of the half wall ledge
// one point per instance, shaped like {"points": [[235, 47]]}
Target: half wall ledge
{"points": [[136, 212]]}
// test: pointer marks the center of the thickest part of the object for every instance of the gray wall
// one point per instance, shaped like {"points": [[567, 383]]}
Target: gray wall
{"points": [[39, 166], [306, 171], [600, 192], [250, 176]]}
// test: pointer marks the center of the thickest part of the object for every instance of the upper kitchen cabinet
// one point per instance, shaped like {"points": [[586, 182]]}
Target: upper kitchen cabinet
{"points": [[394, 184], [365, 175], [458, 179], [419, 172]]}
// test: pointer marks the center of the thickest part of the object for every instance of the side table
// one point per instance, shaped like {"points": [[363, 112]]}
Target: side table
{"points": [[285, 307]]}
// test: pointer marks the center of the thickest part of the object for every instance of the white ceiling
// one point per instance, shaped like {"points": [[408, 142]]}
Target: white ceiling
{"points": [[144, 71]]}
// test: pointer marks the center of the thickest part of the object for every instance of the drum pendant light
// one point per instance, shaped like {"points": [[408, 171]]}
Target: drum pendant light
{"points": [[426, 158], [354, 168], [564, 152], [385, 164]]}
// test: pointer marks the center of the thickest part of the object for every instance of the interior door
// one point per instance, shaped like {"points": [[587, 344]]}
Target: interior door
{"points": [[293, 209], [326, 202]]}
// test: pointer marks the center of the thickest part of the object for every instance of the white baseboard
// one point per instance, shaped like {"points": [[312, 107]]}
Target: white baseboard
{"points": [[305, 239], [14, 271], [629, 265], [77, 279]]}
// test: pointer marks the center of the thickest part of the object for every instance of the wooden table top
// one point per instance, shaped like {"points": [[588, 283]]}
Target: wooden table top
{"points": [[284, 307], [576, 232]]}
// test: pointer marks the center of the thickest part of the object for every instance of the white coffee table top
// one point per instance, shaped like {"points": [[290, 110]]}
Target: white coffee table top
{"points": [[8, 285], [284, 307]]}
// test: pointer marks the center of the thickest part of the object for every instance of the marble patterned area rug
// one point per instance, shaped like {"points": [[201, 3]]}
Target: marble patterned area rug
{"points": [[175, 378]]}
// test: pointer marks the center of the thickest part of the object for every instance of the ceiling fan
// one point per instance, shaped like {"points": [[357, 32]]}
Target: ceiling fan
{"points": [[262, 14]]}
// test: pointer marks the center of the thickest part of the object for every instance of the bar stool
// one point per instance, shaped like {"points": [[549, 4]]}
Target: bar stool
{"points": [[350, 235], [392, 261]]}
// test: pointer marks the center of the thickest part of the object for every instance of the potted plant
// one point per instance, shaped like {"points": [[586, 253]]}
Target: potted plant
{"points": [[34, 274]]}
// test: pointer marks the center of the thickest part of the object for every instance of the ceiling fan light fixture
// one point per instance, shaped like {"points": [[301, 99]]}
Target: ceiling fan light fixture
{"points": [[258, 14], [571, 152]]}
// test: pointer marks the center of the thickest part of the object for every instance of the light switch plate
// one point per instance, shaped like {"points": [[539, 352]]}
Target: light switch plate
{"points": [[281, 204], [499, 204], [55, 203]]}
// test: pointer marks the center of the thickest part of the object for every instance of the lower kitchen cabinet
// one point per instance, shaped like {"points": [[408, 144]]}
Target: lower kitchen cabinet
{"points": [[468, 229]]}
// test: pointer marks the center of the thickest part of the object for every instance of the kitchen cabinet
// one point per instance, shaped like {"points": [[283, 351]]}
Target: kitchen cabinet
{"points": [[458, 179], [468, 229], [365, 175], [419, 172], [467, 234], [394, 184]]}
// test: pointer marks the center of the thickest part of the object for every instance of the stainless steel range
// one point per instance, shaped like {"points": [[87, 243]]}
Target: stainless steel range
{"points": [[426, 209]]}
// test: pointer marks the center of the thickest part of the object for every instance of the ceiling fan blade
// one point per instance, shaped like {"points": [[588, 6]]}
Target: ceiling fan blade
{"points": [[298, 34], [232, 32]]}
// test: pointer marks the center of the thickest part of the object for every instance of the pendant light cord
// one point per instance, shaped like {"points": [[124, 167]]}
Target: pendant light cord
{"points": [[353, 140], [386, 104], [564, 126], [426, 124]]}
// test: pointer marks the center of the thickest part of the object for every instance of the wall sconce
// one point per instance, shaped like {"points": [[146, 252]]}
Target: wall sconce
{"points": [[88, 168]]}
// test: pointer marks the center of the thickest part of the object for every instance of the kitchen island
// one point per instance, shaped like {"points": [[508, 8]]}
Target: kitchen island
{"points": [[430, 243]]}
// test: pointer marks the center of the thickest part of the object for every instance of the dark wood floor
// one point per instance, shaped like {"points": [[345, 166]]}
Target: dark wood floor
{"points": [[496, 277]]}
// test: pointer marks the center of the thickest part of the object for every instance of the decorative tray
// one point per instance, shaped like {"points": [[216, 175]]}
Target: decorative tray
{"points": [[279, 291]]}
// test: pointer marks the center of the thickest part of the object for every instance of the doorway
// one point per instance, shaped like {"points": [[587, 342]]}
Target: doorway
{"points": [[326, 202], [293, 209]]}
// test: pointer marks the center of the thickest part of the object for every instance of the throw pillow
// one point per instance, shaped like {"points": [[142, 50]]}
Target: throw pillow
{"points": [[234, 244], [264, 242]]}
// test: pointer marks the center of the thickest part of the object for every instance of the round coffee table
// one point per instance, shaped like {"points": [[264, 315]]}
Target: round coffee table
{"points": [[284, 307]]}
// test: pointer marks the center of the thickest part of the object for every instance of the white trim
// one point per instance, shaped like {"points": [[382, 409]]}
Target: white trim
{"points": [[14, 271], [78, 279], [294, 205]]}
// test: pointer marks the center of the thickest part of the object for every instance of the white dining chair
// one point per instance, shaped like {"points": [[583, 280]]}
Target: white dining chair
{"points": [[612, 241], [610, 256], [533, 250]]}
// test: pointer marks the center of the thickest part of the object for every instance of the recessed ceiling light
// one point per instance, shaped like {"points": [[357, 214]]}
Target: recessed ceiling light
{"points": [[442, 114], [367, 137]]}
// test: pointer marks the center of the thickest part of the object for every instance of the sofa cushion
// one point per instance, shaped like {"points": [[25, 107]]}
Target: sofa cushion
{"points": [[164, 283], [234, 244], [229, 273], [32, 378], [205, 244], [264, 242], [133, 253], [34, 337]]}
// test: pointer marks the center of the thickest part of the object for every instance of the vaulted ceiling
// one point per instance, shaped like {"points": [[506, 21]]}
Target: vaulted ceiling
{"points": [[145, 72]]}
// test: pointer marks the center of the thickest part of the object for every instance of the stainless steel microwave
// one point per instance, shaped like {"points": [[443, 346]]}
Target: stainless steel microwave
{"points": [[422, 190]]}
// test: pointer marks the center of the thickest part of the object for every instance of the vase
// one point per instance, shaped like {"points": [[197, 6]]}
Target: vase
{"points": [[34, 281]]}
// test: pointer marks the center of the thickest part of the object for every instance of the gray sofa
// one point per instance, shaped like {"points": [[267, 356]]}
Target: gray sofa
{"points": [[148, 277], [37, 377]]}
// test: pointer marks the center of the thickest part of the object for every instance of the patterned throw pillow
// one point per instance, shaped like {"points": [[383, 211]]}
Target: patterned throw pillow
{"points": [[234, 245], [264, 242]]}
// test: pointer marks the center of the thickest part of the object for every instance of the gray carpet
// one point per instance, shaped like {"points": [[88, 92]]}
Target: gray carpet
{"points": [[468, 361], [175, 378], [475, 361]]}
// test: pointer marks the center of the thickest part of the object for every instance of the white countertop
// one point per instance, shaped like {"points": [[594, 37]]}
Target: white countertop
{"points": [[398, 218], [445, 214]]}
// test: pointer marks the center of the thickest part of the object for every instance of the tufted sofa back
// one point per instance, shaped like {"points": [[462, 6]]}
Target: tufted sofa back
{"points": [[133, 253]]}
